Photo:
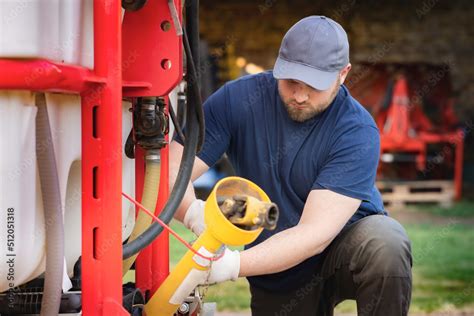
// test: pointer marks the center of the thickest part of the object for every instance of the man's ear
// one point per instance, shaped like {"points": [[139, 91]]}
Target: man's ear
{"points": [[344, 73]]}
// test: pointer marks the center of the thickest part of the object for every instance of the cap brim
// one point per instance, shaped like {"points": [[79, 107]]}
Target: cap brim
{"points": [[318, 79]]}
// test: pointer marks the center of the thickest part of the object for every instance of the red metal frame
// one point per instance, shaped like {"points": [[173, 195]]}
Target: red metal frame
{"points": [[146, 45], [404, 125], [101, 94], [152, 265], [44, 75], [397, 125], [149, 38], [101, 177]]}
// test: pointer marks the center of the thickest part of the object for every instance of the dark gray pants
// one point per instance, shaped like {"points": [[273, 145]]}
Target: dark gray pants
{"points": [[370, 262]]}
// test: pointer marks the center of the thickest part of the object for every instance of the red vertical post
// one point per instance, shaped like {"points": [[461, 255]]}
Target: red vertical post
{"points": [[143, 262], [155, 71], [152, 52], [458, 163], [102, 177], [152, 264], [399, 112], [160, 248]]}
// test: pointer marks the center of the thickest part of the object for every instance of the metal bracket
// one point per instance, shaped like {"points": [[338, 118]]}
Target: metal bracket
{"points": [[174, 16]]}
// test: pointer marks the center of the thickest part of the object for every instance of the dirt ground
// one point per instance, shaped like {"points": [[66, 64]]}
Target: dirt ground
{"points": [[411, 216]]}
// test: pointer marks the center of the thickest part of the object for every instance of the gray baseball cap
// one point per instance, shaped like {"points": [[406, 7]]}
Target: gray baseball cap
{"points": [[313, 51]]}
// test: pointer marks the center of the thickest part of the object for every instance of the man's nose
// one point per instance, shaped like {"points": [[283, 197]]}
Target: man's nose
{"points": [[300, 95]]}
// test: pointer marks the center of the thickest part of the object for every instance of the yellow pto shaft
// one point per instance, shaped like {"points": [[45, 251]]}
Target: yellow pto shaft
{"points": [[232, 199]]}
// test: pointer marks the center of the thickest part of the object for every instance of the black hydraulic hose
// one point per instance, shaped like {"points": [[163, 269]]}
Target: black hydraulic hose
{"points": [[192, 30], [176, 124], [191, 40], [181, 109], [194, 107]]}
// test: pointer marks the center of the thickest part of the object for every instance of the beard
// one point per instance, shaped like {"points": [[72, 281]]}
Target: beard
{"points": [[310, 110]]}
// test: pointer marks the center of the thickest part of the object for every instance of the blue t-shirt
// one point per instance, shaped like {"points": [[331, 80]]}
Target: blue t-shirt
{"points": [[336, 150]]}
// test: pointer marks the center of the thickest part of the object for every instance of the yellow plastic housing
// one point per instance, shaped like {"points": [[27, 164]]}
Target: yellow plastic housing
{"points": [[191, 269], [218, 224]]}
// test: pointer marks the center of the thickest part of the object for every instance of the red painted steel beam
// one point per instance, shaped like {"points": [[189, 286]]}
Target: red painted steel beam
{"points": [[143, 262], [459, 162], [152, 50], [44, 75], [152, 66], [101, 175], [152, 264]]}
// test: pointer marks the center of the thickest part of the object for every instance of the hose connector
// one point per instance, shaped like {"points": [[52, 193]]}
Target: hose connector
{"points": [[153, 155], [150, 123]]}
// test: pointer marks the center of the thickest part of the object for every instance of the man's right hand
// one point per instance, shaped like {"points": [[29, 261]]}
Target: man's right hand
{"points": [[194, 217]]}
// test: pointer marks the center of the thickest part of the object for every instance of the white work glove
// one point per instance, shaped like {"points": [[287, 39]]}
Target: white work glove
{"points": [[194, 217], [225, 268]]}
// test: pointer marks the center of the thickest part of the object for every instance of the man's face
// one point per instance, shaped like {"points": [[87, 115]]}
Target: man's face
{"points": [[303, 102]]}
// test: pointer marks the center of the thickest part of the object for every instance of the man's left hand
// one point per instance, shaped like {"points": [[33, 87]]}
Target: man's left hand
{"points": [[225, 268]]}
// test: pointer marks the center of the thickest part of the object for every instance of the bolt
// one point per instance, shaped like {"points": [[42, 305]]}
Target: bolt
{"points": [[184, 308], [257, 221]]}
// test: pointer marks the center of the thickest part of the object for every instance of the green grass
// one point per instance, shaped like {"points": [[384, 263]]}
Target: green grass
{"points": [[232, 296], [443, 266], [443, 270], [177, 249], [463, 208]]}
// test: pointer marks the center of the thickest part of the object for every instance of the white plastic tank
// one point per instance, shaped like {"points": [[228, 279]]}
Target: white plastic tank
{"points": [[20, 191], [61, 31], [58, 30]]}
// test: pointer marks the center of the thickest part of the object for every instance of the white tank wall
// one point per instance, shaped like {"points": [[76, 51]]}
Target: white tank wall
{"points": [[59, 30], [20, 186]]}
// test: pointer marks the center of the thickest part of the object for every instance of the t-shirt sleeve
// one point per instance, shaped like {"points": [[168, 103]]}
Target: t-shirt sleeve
{"points": [[218, 122], [351, 166]]}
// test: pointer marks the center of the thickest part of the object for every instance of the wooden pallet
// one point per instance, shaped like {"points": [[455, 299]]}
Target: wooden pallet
{"points": [[399, 194]]}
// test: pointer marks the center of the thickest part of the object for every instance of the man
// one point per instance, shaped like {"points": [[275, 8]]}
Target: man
{"points": [[299, 135]]}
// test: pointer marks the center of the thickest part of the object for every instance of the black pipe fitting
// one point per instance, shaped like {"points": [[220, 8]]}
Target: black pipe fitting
{"points": [[150, 123]]}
